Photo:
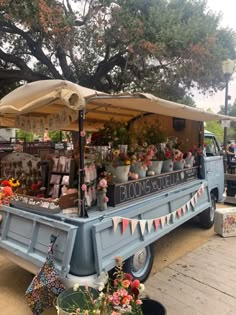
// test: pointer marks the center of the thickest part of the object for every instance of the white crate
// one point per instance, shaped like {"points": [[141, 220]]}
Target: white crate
{"points": [[225, 222]]}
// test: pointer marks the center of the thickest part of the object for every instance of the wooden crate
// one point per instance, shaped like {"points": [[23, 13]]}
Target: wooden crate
{"points": [[225, 222]]}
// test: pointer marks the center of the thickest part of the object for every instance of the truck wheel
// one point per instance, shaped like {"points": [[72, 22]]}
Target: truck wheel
{"points": [[207, 217], [140, 264]]}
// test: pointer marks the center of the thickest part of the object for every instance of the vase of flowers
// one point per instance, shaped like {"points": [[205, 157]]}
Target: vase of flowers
{"points": [[101, 196], [119, 295], [118, 166], [178, 163]]}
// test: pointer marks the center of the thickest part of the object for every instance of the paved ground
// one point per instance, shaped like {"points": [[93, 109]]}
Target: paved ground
{"points": [[201, 282]]}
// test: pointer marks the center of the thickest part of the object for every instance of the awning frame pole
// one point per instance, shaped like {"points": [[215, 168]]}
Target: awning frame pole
{"points": [[81, 203]]}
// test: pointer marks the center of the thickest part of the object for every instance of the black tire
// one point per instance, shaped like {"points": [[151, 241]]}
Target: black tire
{"points": [[140, 264], [207, 217]]}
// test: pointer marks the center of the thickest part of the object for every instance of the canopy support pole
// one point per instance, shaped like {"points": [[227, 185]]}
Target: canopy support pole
{"points": [[81, 203]]}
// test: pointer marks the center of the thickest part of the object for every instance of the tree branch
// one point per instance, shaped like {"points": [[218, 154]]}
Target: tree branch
{"points": [[18, 75], [34, 47], [61, 55]]}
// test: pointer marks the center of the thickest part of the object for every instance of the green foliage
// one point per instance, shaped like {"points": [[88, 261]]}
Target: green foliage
{"points": [[55, 135], [165, 47], [27, 136], [231, 132]]}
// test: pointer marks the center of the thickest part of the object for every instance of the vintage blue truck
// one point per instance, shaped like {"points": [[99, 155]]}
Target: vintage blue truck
{"points": [[152, 207]]}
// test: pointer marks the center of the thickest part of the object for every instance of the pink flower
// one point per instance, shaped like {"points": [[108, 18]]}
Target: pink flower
{"points": [[82, 133], [106, 199], [139, 302], [103, 183], [84, 187]]}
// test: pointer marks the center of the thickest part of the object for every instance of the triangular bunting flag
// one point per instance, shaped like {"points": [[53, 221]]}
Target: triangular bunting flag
{"points": [[168, 218], [149, 224], [134, 223], [192, 201], [203, 187], [156, 223], [163, 220], [179, 212], [199, 192], [142, 224], [116, 221], [125, 223], [196, 198], [184, 209], [188, 205]]}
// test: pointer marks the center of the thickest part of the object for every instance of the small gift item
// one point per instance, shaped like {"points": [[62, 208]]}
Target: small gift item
{"points": [[46, 285]]}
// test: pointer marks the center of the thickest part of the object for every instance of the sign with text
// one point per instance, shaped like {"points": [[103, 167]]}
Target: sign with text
{"points": [[119, 193]]}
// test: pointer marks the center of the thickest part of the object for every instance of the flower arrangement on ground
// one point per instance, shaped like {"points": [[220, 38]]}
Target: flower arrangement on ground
{"points": [[120, 295], [6, 191]]}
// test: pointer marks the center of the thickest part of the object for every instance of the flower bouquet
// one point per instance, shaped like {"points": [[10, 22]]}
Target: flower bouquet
{"points": [[118, 166], [120, 295]]}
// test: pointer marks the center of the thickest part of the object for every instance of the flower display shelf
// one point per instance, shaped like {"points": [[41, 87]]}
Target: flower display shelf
{"points": [[43, 205], [134, 189]]}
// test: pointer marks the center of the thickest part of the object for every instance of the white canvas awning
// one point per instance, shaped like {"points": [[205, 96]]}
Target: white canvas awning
{"points": [[54, 104]]}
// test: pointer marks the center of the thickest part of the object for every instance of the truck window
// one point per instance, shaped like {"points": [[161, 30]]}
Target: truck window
{"points": [[212, 147]]}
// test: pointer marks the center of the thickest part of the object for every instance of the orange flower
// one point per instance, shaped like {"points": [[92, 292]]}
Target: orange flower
{"points": [[125, 283], [125, 300]]}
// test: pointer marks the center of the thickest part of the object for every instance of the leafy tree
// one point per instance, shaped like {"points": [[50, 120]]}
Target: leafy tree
{"points": [[27, 136], [231, 132], [165, 47]]}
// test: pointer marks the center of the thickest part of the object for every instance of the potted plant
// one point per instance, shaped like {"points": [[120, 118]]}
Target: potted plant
{"points": [[119, 166], [121, 294]]}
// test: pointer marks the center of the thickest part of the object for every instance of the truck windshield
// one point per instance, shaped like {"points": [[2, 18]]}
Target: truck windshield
{"points": [[212, 146]]}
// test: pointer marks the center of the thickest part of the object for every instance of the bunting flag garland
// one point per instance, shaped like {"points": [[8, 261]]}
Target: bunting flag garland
{"points": [[179, 212], [188, 205], [142, 224], [116, 221], [134, 223], [157, 222], [192, 201], [163, 220], [149, 225], [125, 223], [168, 218]]}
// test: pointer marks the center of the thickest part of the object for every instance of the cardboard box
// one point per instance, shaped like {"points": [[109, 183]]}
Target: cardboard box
{"points": [[225, 222]]}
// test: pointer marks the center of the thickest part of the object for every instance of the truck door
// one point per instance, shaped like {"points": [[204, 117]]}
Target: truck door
{"points": [[213, 164]]}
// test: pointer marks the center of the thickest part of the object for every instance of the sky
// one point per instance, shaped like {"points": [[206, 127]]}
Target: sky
{"points": [[227, 8]]}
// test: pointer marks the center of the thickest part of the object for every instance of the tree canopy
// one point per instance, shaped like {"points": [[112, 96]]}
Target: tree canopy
{"points": [[165, 47]]}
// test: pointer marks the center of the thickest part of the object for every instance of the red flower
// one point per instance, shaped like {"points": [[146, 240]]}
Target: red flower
{"points": [[135, 284], [5, 183], [35, 187]]}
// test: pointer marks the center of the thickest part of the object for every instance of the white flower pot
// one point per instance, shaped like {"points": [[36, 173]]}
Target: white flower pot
{"points": [[120, 173], [156, 167]]}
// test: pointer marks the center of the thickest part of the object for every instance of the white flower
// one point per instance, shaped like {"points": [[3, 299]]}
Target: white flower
{"points": [[141, 288], [75, 287], [101, 286]]}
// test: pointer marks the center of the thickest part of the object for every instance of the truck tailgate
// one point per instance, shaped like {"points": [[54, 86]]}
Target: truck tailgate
{"points": [[27, 235]]}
